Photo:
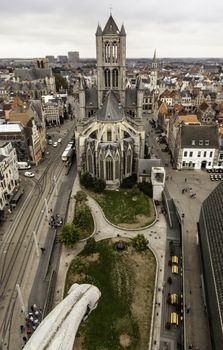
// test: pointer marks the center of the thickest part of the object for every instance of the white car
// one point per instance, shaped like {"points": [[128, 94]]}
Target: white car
{"points": [[55, 144], [59, 140], [29, 174]]}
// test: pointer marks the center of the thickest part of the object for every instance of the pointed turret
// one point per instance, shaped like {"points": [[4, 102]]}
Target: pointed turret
{"points": [[98, 31], [122, 31]]}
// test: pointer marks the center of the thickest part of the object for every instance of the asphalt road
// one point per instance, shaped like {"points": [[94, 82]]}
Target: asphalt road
{"points": [[18, 258]]}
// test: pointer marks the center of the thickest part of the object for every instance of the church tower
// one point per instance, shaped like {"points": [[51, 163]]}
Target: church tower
{"points": [[111, 60], [153, 75]]}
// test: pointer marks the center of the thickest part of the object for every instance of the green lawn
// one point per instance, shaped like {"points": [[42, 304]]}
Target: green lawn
{"points": [[115, 274], [124, 205]]}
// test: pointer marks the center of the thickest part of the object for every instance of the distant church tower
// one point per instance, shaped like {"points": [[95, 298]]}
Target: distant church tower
{"points": [[111, 60], [153, 75]]}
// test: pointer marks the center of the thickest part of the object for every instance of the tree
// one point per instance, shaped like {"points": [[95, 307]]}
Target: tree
{"points": [[87, 180], [140, 242], [70, 235], [99, 185], [60, 82]]}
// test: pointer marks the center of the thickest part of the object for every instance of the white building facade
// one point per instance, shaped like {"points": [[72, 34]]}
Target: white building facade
{"points": [[9, 175]]}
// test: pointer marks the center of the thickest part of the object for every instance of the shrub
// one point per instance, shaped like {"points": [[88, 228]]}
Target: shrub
{"points": [[81, 196], [87, 180], [70, 235], [90, 246], [146, 188], [140, 242], [99, 185], [129, 182]]}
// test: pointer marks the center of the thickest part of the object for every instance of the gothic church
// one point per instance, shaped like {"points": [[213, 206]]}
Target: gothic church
{"points": [[110, 136]]}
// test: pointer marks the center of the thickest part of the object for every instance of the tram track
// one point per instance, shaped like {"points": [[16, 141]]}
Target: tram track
{"points": [[13, 254]]}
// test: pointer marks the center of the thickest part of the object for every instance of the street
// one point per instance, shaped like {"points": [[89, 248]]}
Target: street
{"points": [[18, 253]]}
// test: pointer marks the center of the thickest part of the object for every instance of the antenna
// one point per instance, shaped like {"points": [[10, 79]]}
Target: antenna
{"points": [[110, 8]]}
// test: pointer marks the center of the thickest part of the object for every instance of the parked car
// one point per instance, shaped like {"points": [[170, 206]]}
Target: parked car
{"points": [[29, 174], [55, 144], [59, 140]]}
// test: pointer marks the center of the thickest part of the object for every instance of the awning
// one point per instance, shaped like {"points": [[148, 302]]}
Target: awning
{"points": [[175, 259], [175, 269], [174, 318], [174, 299]]}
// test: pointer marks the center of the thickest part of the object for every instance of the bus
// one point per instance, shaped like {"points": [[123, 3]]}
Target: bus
{"points": [[23, 165], [67, 154]]}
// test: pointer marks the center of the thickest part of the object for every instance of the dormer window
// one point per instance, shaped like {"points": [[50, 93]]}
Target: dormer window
{"points": [[206, 142], [200, 142], [193, 142]]}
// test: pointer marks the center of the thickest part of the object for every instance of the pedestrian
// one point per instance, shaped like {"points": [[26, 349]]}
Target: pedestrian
{"points": [[25, 340], [22, 328], [185, 179], [190, 291], [42, 249], [183, 191]]}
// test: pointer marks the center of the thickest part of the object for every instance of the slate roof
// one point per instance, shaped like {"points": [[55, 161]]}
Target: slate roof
{"points": [[32, 73], [91, 96], [131, 98], [36, 104], [2, 157], [98, 31], [111, 27], [198, 133], [111, 109], [145, 166]]}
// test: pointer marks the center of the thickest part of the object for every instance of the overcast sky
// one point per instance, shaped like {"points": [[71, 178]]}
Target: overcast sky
{"points": [[192, 28]]}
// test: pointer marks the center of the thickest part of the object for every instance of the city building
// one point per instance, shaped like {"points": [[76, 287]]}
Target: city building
{"points": [[211, 246], [110, 136], [197, 147], [73, 58], [62, 59], [9, 175]]}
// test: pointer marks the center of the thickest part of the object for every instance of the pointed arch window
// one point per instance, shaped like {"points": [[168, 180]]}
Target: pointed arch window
{"points": [[114, 52], [101, 167], [90, 162], [128, 161], [107, 52], [109, 168], [115, 78], [107, 78], [117, 167]]}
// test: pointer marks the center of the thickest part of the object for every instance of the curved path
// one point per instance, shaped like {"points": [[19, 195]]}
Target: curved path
{"points": [[156, 236]]}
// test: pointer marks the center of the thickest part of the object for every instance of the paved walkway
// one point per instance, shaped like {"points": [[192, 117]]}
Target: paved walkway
{"points": [[197, 329], [156, 235]]}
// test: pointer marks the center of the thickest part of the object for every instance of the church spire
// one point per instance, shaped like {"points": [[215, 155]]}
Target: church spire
{"points": [[154, 61]]}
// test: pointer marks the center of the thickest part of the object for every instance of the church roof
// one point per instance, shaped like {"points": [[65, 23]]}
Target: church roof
{"points": [[91, 96], [130, 98], [111, 109], [110, 27], [32, 73]]}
